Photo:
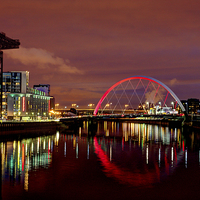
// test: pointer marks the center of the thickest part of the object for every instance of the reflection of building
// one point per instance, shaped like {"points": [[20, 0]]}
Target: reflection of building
{"points": [[19, 157]]}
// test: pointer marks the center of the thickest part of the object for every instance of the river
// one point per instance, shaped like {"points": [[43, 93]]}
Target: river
{"points": [[119, 160]]}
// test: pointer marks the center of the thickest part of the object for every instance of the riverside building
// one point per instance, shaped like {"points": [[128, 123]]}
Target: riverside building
{"points": [[192, 106], [46, 88], [21, 102], [43, 87]]}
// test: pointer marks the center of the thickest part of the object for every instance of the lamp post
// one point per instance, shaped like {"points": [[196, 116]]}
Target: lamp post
{"points": [[172, 105], [126, 105], [90, 105], [147, 105], [56, 105], [186, 106], [107, 105]]}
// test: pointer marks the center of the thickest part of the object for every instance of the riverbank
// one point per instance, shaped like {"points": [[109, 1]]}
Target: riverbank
{"points": [[27, 129], [12, 129]]}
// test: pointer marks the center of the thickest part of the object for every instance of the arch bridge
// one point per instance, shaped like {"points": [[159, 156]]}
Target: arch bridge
{"points": [[140, 94]]}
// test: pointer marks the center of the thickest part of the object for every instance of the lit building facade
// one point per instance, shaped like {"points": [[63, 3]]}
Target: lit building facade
{"points": [[192, 106], [29, 106], [44, 88], [13, 82], [21, 102]]}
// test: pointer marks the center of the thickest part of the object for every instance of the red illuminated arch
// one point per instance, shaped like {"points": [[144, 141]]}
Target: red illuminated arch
{"points": [[139, 77]]}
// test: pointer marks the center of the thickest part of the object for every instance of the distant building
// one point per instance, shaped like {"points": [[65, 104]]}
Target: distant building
{"points": [[192, 106], [44, 88], [52, 103], [185, 104]]}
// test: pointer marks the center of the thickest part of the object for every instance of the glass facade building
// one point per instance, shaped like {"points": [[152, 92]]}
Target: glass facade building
{"points": [[28, 106], [43, 87], [20, 101]]}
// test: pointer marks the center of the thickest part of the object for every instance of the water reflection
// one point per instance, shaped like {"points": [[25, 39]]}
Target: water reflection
{"points": [[135, 165], [131, 154], [161, 150], [19, 157], [143, 133]]}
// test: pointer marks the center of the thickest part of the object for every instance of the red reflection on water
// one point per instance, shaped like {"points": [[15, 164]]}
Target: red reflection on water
{"points": [[122, 144], [166, 165], [23, 157], [123, 175], [175, 155], [49, 147]]}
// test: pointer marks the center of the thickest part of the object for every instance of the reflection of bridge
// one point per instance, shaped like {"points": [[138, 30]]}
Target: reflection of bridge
{"points": [[161, 148]]}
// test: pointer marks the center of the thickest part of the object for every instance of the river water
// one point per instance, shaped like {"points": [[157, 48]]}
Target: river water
{"points": [[121, 160]]}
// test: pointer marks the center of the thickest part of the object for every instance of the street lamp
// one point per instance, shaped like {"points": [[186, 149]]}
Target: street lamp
{"points": [[74, 105], [147, 105], [186, 106], [90, 105], [57, 105], [172, 105], [126, 105]]}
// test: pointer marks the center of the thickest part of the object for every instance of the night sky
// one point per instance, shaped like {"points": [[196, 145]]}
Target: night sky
{"points": [[83, 47]]}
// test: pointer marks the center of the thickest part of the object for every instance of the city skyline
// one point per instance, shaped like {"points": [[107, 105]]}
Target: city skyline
{"points": [[83, 48]]}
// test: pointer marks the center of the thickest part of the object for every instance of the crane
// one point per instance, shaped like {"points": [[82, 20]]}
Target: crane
{"points": [[5, 43]]}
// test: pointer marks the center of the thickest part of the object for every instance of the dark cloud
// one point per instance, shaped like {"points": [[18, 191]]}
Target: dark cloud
{"points": [[108, 41]]}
